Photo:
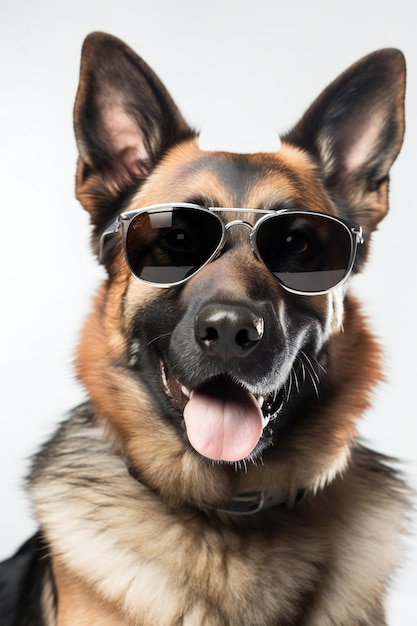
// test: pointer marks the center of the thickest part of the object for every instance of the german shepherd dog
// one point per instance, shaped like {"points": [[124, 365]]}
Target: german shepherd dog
{"points": [[214, 475]]}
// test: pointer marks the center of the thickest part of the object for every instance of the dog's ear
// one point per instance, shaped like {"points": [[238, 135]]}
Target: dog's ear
{"points": [[124, 121], [354, 130]]}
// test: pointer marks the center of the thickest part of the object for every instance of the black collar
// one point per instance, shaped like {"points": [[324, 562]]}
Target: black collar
{"points": [[257, 501]]}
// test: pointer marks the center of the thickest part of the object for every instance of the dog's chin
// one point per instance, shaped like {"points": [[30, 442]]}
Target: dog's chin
{"points": [[224, 421]]}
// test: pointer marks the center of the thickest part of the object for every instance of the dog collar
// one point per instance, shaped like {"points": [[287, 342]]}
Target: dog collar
{"points": [[257, 501]]}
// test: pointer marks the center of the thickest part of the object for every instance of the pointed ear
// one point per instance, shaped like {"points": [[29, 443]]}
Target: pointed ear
{"points": [[354, 130], [124, 121]]}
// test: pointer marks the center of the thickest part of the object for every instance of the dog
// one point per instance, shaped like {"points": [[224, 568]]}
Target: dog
{"points": [[214, 475]]}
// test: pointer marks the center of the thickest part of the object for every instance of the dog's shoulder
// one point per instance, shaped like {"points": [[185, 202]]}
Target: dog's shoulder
{"points": [[376, 483], [369, 504], [364, 516]]}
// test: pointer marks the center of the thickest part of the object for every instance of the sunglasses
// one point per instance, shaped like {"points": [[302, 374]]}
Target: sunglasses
{"points": [[308, 252]]}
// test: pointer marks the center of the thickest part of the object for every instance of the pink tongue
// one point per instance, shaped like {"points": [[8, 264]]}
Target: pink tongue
{"points": [[223, 421]]}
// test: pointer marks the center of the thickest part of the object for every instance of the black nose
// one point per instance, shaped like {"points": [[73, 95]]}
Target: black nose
{"points": [[228, 331]]}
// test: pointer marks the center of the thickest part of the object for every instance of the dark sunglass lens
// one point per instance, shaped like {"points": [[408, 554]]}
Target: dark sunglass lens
{"points": [[307, 253], [167, 246]]}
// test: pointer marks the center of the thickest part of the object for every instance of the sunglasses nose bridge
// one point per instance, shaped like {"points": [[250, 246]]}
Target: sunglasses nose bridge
{"points": [[229, 225], [238, 223], [226, 227], [246, 225]]}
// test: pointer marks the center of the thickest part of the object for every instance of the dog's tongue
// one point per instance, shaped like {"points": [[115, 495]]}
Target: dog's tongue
{"points": [[223, 421]]}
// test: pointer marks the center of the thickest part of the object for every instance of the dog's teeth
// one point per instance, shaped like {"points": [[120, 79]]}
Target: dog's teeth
{"points": [[185, 391], [164, 376], [260, 401], [265, 420]]}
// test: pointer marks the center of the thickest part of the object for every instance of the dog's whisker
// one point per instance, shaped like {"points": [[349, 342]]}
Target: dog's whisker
{"points": [[316, 389], [157, 338], [310, 365], [289, 386], [314, 377], [136, 350], [303, 370], [297, 386], [319, 365], [284, 389]]}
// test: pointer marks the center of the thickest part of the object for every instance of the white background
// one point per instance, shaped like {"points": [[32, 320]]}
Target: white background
{"points": [[240, 71]]}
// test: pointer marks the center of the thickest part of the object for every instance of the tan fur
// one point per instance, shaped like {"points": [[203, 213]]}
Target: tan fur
{"points": [[80, 604]]}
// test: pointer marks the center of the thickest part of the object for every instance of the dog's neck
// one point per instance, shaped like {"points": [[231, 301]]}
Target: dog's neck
{"points": [[244, 503]]}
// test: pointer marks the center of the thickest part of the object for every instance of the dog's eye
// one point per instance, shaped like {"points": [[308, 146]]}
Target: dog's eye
{"points": [[297, 242], [179, 240]]}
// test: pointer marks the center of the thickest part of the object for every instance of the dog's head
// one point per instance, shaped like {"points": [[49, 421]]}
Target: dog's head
{"points": [[234, 363]]}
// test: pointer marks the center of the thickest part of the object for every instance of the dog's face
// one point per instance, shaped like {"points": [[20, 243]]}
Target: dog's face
{"points": [[230, 368]]}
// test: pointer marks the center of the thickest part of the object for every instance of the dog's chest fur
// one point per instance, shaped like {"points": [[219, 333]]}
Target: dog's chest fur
{"points": [[148, 564]]}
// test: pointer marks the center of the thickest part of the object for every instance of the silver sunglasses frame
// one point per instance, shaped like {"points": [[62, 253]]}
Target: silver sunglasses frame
{"points": [[124, 219]]}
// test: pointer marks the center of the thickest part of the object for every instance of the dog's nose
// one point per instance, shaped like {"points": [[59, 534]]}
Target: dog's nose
{"points": [[228, 331]]}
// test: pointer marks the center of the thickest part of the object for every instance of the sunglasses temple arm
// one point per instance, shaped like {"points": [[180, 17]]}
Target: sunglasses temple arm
{"points": [[106, 238]]}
